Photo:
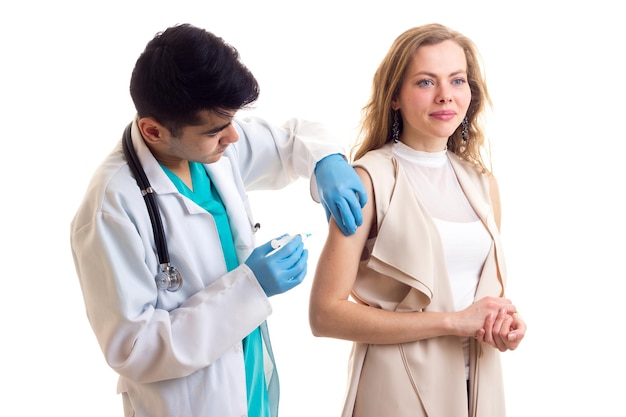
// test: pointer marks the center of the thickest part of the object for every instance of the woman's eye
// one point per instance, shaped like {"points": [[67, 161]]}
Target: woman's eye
{"points": [[425, 83], [458, 81]]}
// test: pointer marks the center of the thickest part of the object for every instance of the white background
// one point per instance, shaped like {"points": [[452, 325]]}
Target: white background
{"points": [[556, 75]]}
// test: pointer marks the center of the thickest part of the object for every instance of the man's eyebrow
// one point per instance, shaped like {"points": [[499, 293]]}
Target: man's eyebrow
{"points": [[218, 129]]}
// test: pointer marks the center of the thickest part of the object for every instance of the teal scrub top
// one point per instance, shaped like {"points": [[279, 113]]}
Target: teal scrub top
{"points": [[206, 196]]}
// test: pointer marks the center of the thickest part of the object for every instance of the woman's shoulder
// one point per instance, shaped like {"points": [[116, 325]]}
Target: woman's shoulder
{"points": [[375, 156], [472, 168], [381, 168]]}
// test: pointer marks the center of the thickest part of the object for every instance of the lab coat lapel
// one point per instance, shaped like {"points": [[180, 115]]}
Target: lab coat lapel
{"points": [[231, 192]]}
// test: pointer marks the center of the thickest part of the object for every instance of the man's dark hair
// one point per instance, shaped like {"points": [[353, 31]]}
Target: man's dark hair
{"points": [[185, 70]]}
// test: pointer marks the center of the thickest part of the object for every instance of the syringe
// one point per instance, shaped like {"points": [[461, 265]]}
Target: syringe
{"points": [[279, 243]]}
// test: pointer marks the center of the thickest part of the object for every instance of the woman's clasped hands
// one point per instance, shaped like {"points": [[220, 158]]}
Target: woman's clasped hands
{"points": [[502, 328]]}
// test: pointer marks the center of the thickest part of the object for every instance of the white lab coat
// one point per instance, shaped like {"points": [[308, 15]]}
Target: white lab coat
{"points": [[180, 353]]}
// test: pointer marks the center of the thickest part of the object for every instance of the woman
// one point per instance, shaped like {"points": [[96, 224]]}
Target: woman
{"points": [[420, 287]]}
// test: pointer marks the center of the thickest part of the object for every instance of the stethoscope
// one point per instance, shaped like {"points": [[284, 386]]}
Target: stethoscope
{"points": [[169, 278]]}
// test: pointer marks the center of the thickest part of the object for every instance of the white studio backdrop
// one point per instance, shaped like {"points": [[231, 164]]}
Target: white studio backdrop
{"points": [[557, 134]]}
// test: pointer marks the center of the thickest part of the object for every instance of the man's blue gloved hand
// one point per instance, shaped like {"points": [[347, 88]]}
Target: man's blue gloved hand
{"points": [[282, 270], [341, 192]]}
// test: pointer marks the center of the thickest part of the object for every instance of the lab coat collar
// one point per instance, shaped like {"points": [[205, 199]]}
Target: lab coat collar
{"points": [[159, 180]]}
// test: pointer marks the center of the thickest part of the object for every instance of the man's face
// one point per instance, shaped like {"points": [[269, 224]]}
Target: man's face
{"points": [[205, 142]]}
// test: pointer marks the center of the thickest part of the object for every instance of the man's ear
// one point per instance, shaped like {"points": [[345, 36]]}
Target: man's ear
{"points": [[151, 130]]}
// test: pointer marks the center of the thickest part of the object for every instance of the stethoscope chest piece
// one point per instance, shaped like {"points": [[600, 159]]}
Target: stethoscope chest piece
{"points": [[169, 279]]}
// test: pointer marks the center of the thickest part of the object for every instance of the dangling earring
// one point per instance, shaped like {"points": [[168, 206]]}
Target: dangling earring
{"points": [[464, 126], [395, 127]]}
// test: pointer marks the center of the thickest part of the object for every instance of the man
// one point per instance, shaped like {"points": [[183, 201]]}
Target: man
{"points": [[193, 341]]}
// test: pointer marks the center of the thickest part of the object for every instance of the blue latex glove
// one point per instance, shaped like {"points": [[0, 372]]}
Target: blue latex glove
{"points": [[282, 270], [341, 192]]}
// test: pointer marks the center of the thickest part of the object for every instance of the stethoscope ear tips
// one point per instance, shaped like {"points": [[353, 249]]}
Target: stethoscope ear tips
{"points": [[169, 279]]}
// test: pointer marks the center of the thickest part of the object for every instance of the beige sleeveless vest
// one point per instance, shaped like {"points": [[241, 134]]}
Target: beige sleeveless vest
{"points": [[403, 269]]}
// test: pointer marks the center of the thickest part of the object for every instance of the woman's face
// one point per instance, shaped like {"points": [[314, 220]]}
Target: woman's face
{"points": [[434, 96]]}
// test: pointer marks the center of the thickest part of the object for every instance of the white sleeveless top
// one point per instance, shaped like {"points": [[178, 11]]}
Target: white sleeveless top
{"points": [[465, 239]]}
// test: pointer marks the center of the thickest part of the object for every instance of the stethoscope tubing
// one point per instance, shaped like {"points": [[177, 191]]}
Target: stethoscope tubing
{"points": [[148, 195]]}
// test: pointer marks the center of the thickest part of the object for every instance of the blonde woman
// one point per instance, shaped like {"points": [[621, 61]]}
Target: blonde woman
{"points": [[420, 287]]}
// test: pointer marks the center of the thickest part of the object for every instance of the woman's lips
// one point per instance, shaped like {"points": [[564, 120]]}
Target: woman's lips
{"points": [[444, 115]]}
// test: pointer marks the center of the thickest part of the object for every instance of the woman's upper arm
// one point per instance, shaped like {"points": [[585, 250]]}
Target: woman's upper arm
{"points": [[339, 259]]}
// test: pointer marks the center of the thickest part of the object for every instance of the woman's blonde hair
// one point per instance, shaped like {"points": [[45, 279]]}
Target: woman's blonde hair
{"points": [[377, 115]]}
